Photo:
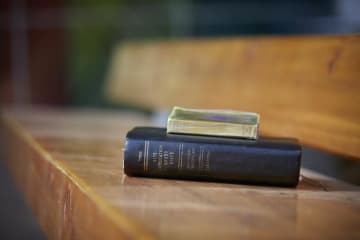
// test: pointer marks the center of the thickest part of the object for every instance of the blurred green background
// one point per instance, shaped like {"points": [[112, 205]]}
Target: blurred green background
{"points": [[73, 40], [94, 28]]}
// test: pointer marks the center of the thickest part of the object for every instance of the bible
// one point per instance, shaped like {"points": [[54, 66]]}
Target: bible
{"points": [[152, 152], [224, 123]]}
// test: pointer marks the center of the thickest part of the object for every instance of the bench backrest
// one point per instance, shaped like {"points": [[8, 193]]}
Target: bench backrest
{"points": [[304, 87]]}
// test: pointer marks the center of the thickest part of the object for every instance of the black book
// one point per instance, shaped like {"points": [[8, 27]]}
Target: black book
{"points": [[151, 152]]}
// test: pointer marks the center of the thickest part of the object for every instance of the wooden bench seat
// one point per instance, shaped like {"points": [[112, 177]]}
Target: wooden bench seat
{"points": [[68, 165]]}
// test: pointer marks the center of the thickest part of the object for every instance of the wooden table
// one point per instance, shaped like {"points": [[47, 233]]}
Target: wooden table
{"points": [[68, 165]]}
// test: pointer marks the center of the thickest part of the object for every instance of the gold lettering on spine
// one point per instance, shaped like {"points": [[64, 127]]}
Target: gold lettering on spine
{"points": [[179, 156], [181, 149], [146, 156]]}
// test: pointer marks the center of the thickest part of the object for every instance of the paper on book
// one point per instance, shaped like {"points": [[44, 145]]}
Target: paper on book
{"points": [[226, 123]]}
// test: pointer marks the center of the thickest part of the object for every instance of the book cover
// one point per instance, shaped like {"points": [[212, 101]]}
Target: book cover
{"points": [[152, 152]]}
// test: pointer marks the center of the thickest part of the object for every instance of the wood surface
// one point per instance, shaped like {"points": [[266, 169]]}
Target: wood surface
{"points": [[304, 87], [68, 165]]}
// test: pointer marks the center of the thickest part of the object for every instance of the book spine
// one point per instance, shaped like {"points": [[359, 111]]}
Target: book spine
{"points": [[211, 162]]}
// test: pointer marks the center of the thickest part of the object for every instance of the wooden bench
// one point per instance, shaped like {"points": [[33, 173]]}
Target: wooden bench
{"points": [[68, 163], [304, 87]]}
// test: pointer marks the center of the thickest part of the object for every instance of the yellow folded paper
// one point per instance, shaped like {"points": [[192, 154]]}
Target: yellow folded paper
{"points": [[226, 123]]}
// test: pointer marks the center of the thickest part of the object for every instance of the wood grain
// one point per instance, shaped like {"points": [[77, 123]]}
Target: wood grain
{"points": [[68, 165], [304, 87]]}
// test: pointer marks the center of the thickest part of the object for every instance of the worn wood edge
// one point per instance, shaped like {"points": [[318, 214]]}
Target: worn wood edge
{"points": [[125, 225]]}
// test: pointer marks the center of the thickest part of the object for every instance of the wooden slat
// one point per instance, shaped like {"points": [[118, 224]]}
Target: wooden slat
{"points": [[304, 87], [68, 165]]}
